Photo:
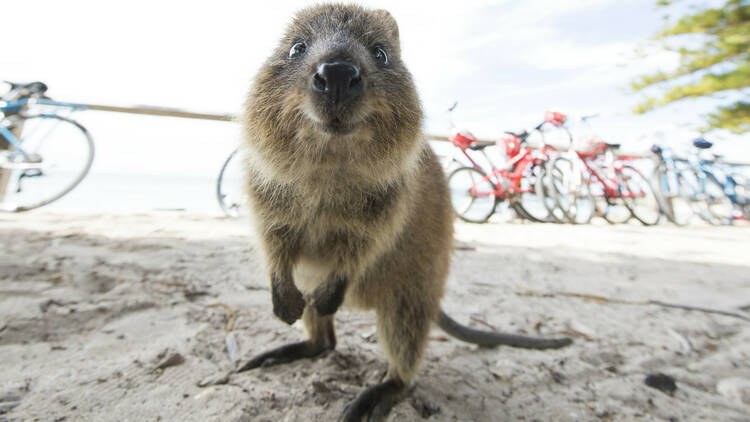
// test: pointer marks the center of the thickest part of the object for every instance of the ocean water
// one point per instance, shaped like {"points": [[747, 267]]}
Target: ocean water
{"points": [[137, 191], [121, 192], [126, 193]]}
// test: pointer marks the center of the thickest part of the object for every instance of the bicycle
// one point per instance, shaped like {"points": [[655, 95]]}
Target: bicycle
{"points": [[741, 187], [586, 180], [717, 187], [614, 183], [475, 193], [678, 190], [567, 191], [43, 155], [742, 190], [566, 198], [229, 191]]}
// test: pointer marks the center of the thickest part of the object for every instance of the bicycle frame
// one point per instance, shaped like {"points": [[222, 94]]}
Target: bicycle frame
{"points": [[11, 138], [700, 169], [463, 143], [519, 164], [612, 188], [708, 170], [15, 107], [18, 105], [669, 177]]}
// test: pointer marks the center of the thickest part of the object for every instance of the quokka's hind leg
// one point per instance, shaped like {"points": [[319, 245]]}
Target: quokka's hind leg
{"points": [[402, 332], [321, 338]]}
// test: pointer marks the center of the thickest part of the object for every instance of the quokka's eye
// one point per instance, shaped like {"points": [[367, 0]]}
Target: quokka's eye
{"points": [[298, 49], [380, 56]]}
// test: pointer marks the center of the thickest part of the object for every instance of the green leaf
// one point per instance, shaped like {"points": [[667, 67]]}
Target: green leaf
{"points": [[735, 118], [716, 62]]}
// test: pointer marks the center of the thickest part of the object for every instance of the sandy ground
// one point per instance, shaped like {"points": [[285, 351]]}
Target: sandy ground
{"points": [[126, 318]]}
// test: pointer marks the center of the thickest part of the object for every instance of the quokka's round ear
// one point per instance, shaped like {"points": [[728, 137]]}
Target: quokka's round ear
{"points": [[388, 21]]}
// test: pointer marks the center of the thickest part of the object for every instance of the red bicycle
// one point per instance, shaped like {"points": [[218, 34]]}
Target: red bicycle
{"points": [[475, 194], [619, 190]]}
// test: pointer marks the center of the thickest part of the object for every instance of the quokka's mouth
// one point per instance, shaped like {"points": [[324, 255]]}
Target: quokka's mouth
{"points": [[336, 120], [337, 126]]}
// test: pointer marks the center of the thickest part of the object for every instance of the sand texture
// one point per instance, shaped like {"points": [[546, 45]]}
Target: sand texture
{"points": [[139, 318]]}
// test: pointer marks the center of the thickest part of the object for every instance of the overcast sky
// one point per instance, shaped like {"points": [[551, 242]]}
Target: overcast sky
{"points": [[505, 62]]}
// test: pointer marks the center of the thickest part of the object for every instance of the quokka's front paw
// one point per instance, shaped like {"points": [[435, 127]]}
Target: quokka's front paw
{"points": [[328, 297], [288, 302]]}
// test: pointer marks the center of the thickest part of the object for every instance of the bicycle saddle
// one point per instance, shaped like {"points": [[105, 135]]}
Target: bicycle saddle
{"points": [[702, 143], [613, 146], [35, 87], [479, 147]]}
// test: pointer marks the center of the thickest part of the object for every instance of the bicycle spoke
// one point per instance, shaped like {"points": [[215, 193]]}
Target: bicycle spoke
{"points": [[472, 195], [57, 154]]}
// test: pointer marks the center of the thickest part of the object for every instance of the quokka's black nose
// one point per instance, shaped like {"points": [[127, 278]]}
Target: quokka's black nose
{"points": [[338, 81]]}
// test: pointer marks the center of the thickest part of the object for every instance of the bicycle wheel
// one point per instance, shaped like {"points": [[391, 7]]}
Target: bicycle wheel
{"points": [[719, 205], [531, 202], [680, 205], [229, 190], [57, 154], [742, 190], [674, 194], [611, 209], [571, 191], [638, 195], [472, 195], [546, 185], [694, 194]]}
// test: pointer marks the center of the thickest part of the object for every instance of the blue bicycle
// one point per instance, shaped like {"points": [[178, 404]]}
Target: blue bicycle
{"points": [[698, 186], [678, 188], [43, 154]]}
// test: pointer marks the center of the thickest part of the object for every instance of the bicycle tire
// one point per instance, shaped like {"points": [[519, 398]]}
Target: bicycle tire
{"points": [[25, 120], [611, 209], [680, 206], [520, 212], [545, 184], [233, 209], [460, 183], [532, 203], [575, 186], [715, 199], [663, 192], [635, 206], [695, 194]]}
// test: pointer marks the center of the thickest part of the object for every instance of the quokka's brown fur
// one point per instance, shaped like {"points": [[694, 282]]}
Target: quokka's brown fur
{"points": [[348, 199]]}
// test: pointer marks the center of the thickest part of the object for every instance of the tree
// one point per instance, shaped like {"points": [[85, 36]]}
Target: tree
{"points": [[714, 49]]}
